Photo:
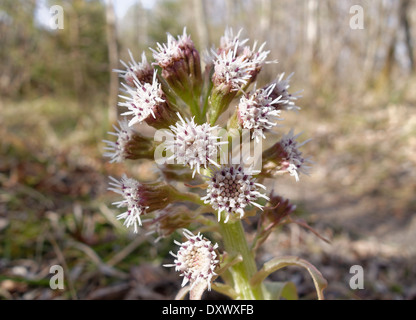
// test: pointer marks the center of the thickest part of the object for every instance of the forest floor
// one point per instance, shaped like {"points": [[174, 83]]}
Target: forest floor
{"points": [[55, 207]]}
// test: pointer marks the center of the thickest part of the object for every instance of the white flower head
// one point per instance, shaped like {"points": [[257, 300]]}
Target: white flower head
{"points": [[130, 190], [288, 100], [257, 57], [185, 41], [142, 71], [194, 145], [117, 150], [167, 53], [231, 188], [143, 101], [232, 70], [257, 111], [196, 260], [229, 41], [180, 64], [293, 161]]}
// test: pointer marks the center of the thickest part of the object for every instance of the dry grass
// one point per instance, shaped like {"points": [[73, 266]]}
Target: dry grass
{"points": [[54, 209]]}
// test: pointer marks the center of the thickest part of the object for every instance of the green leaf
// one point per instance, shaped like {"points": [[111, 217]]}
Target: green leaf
{"points": [[225, 290], [228, 262], [281, 262], [276, 290]]}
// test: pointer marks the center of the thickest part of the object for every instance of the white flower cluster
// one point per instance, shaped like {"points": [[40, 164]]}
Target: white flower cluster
{"points": [[169, 52], [135, 70], [232, 70], [116, 150], [288, 100], [143, 100], [293, 161], [129, 189], [230, 42], [235, 63], [231, 189], [194, 145], [196, 259], [258, 111]]}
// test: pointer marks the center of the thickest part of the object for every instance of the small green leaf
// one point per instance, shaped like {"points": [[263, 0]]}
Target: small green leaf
{"points": [[228, 262], [281, 262], [225, 290], [276, 290]]}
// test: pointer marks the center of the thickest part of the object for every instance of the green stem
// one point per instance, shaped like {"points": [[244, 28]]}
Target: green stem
{"points": [[235, 243], [206, 99], [219, 102], [195, 110]]}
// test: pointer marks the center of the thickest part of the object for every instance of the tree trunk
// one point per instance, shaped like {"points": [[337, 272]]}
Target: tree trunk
{"points": [[76, 53], [312, 36], [266, 15], [201, 24], [404, 9], [143, 26], [230, 12], [113, 61]]}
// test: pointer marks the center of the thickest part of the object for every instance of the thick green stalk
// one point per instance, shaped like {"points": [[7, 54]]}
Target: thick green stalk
{"points": [[219, 100], [235, 243], [195, 110], [206, 98]]}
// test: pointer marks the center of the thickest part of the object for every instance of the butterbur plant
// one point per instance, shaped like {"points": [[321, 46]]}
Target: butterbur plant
{"points": [[206, 185]]}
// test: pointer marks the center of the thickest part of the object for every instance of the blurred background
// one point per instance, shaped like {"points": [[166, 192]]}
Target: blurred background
{"points": [[57, 102]]}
